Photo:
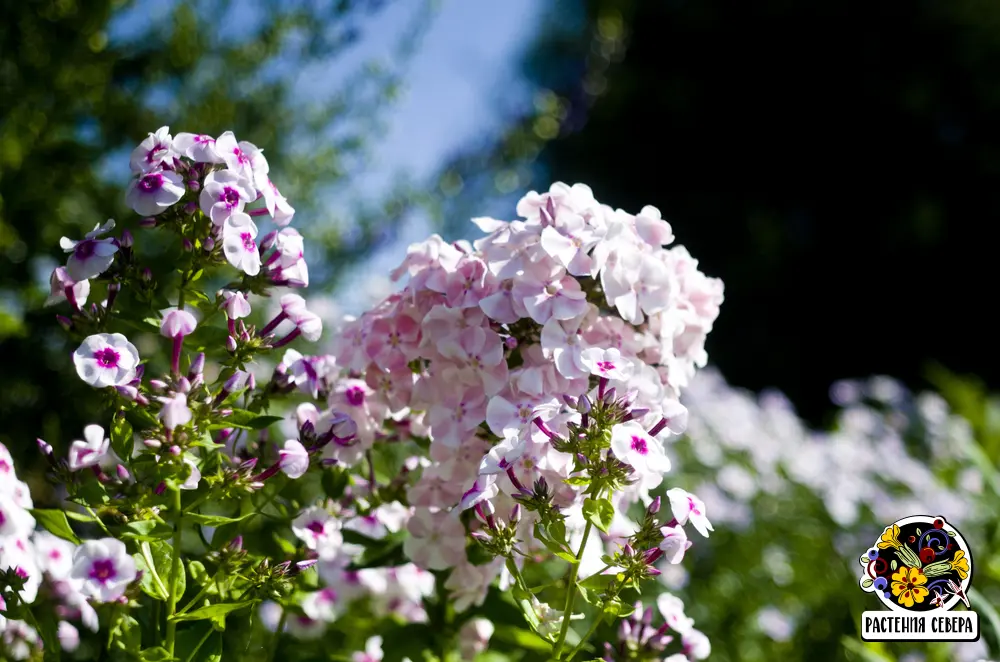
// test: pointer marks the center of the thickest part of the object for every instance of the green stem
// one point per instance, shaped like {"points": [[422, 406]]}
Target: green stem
{"points": [[194, 600], [571, 593], [590, 633], [201, 643], [175, 570], [516, 572], [277, 635], [90, 511]]}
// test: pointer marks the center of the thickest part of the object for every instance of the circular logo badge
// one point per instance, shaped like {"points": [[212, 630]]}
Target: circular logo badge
{"points": [[919, 563]]}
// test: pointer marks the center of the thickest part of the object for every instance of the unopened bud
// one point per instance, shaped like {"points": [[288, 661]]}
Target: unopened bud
{"points": [[161, 488], [510, 342], [44, 447], [585, 405], [123, 473], [147, 274], [148, 222], [570, 401], [174, 450], [480, 537], [609, 397], [209, 244], [627, 550], [194, 184], [64, 322], [251, 382], [184, 385], [515, 514], [151, 443], [126, 240], [654, 507], [230, 344], [236, 544], [187, 245], [190, 208], [197, 365]]}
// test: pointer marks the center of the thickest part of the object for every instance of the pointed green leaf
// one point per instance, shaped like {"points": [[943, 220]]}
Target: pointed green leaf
{"points": [[55, 522]]}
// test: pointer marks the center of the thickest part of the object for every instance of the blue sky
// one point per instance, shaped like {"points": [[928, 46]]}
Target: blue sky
{"points": [[466, 67]]}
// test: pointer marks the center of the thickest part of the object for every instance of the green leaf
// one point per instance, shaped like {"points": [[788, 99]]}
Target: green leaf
{"points": [[522, 638], [79, 517], [867, 583], [148, 530], [215, 520], [524, 601], [55, 522], [198, 642], [121, 437], [599, 512], [334, 482], [577, 481], [597, 582], [157, 654], [159, 556], [247, 420], [216, 613]]}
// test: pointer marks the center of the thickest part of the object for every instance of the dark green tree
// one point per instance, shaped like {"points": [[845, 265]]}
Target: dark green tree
{"points": [[83, 81]]}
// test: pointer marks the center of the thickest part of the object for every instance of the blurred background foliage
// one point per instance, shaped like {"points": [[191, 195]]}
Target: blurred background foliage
{"points": [[83, 81]]}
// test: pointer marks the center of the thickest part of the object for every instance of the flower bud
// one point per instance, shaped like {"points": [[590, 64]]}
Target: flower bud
{"points": [[194, 185], [151, 443], [209, 244], [197, 365], [126, 240], [236, 544], [123, 473], [510, 342], [64, 322], [190, 208], [147, 274], [184, 385], [251, 382], [175, 450], [585, 405], [570, 401], [480, 536], [157, 384], [44, 447], [161, 488], [515, 514], [230, 344], [654, 507], [187, 245], [148, 222], [609, 397]]}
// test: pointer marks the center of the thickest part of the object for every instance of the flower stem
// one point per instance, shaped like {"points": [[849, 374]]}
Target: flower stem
{"points": [[277, 635], [571, 593], [590, 633], [175, 570]]}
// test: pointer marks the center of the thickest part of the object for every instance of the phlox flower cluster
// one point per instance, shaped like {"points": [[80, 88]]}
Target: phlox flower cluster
{"points": [[519, 389], [37, 563], [495, 351]]}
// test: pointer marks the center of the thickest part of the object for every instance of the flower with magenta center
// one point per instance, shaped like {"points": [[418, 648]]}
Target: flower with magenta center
{"points": [[106, 359], [224, 193], [154, 192], [239, 234], [104, 567], [91, 450], [91, 256]]}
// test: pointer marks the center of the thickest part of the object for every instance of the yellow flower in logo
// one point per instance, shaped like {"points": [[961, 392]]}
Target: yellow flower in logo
{"points": [[960, 564], [908, 586], [890, 538]]}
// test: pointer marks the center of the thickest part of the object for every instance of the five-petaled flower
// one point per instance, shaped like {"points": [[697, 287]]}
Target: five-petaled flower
{"points": [[631, 444], [91, 450], [104, 567], [106, 359], [91, 256], [239, 234], [154, 192], [686, 506], [908, 585]]}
